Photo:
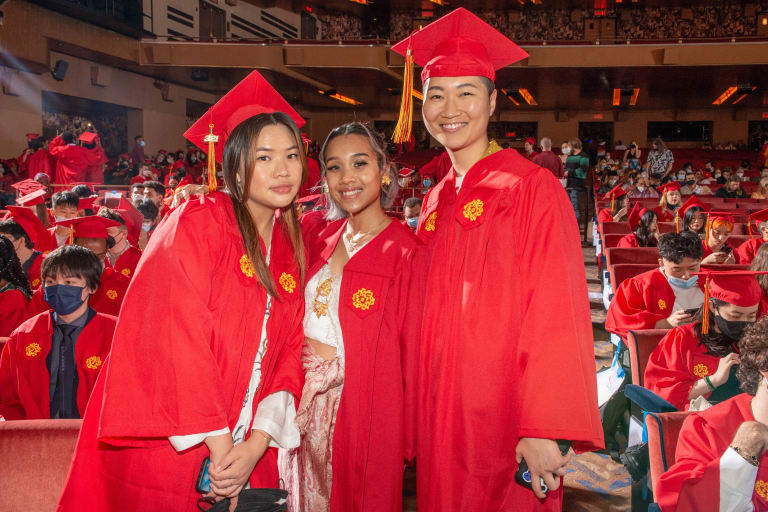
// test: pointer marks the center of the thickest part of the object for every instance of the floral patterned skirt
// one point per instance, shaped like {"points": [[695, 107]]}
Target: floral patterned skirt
{"points": [[306, 470]]}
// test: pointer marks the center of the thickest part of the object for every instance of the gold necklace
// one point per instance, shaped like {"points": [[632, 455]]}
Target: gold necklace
{"points": [[354, 242]]}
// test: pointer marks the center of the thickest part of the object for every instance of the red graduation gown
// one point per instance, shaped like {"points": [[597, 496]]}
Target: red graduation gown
{"points": [[185, 370], [664, 215], [629, 240], [72, 161], [128, 261], [506, 257], [706, 251], [692, 484], [639, 303], [40, 161], [34, 272], [747, 251], [677, 362], [13, 311], [604, 215], [95, 172], [24, 376], [109, 297], [375, 422]]}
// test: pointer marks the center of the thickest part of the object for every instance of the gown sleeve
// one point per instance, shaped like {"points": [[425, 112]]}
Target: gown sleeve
{"points": [[10, 402], [554, 284], [628, 310], [13, 311], [163, 364]]}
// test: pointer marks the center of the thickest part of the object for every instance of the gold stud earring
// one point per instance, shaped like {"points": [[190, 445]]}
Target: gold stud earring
{"points": [[386, 180]]}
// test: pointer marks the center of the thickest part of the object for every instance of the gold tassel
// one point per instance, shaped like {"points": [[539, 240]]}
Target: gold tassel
{"points": [[677, 222], [403, 128], [709, 227], [612, 201], [705, 310], [749, 228], [71, 235], [211, 139]]}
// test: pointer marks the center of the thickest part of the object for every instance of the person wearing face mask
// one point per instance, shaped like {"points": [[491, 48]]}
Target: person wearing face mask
{"points": [[632, 156], [696, 359], [645, 229], [14, 291], [638, 187], [565, 150], [50, 363], [670, 201], [137, 193], [65, 206], [151, 218], [692, 186], [715, 246], [30, 240], [608, 181], [489, 225], [722, 452], [619, 206], [137, 155], [122, 256], [659, 298], [758, 224], [411, 210]]}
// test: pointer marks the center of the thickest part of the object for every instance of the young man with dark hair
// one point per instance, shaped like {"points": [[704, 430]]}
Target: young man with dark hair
{"points": [[29, 238], [411, 211], [659, 298], [151, 215], [155, 191], [49, 365], [65, 206], [122, 256]]}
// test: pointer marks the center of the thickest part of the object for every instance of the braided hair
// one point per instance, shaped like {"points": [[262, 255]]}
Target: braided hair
{"points": [[10, 267]]}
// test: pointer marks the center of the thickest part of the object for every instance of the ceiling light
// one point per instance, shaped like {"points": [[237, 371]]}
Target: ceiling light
{"points": [[727, 94]]}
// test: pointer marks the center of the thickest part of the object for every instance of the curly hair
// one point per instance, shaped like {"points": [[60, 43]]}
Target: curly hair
{"points": [[10, 267], [676, 246], [753, 358]]}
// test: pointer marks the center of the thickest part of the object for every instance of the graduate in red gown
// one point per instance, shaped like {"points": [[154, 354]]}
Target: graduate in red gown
{"points": [[95, 172], [696, 359], [746, 252], [721, 461], [38, 160], [645, 229], [121, 254], [669, 203], [14, 290], [506, 257], [619, 206], [65, 206], [27, 233], [72, 161], [529, 148], [361, 327], [49, 365], [715, 244], [693, 217], [220, 366], [657, 299]]}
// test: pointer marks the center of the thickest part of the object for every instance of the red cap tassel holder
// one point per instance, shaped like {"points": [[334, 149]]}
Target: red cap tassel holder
{"points": [[404, 125], [211, 139]]}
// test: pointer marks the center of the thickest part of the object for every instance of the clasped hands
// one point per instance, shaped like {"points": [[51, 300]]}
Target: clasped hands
{"points": [[231, 466], [544, 460]]}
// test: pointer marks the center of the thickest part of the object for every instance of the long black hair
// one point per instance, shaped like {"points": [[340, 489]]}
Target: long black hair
{"points": [[717, 344], [689, 216], [10, 267], [643, 232]]}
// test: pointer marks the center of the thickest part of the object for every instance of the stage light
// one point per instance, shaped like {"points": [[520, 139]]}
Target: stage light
{"points": [[616, 97], [528, 97], [740, 98], [331, 93], [727, 94], [635, 94], [508, 94]]}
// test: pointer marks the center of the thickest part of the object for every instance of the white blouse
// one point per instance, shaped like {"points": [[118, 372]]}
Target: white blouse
{"points": [[321, 310]]}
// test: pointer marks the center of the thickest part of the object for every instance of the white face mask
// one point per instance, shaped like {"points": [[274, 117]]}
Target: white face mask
{"points": [[641, 188], [60, 218], [612, 181], [740, 174], [566, 151], [146, 226]]}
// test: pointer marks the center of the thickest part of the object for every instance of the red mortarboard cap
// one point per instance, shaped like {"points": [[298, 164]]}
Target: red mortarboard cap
{"points": [[669, 187], [405, 172], [32, 136], [635, 215], [615, 193], [252, 96], [690, 203], [162, 152], [28, 221], [727, 216], [737, 287], [86, 203], [132, 217], [460, 44], [89, 227], [531, 141], [177, 164], [759, 217], [88, 137], [32, 199], [27, 186]]}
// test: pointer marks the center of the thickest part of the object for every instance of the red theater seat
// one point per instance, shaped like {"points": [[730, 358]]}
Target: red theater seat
{"points": [[611, 240], [609, 228], [640, 345], [618, 255], [624, 271], [35, 457], [663, 431]]}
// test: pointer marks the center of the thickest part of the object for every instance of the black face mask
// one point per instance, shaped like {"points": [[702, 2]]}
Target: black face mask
{"points": [[110, 242], [690, 183], [730, 329]]}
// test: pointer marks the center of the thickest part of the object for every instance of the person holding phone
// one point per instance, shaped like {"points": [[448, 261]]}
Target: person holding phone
{"points": [[218, 374], [659, 298], [715, 244]]}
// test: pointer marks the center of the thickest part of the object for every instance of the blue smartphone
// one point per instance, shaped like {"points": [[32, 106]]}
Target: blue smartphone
{"points": [[203, 484]]}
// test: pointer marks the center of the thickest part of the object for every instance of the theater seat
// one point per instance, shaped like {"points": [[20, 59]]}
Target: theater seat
{"points": [[663, 431], [35, 457], [624, 271], [640, 344], [615, 227], [619, 255], [736, 240], [611, 240]]}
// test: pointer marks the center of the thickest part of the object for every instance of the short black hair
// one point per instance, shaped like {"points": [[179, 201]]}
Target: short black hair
{"points": [[73, 261], [12, 228], [82, 190], [156, 186], [36, 143], [67, 137], [137, 185], [65, 198], [148, 209], [412, 202], [138, 137], [676, 246]]}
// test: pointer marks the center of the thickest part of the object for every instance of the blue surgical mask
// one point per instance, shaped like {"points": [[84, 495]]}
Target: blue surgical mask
{"points": [[64, 299], [146, 226], [412, 222], [683, 283], [142, 143], [426, 183]]}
